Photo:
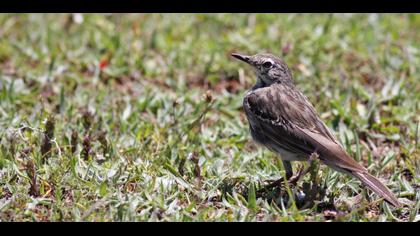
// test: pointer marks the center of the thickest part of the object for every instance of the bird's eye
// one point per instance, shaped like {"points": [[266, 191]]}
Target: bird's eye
{"points": [[267, 64]]}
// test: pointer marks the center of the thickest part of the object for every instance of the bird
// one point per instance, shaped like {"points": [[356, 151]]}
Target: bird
{"points": [[282, 119]]}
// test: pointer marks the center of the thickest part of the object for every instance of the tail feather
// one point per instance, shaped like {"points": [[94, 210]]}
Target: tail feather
{"points": [[375, 185]]}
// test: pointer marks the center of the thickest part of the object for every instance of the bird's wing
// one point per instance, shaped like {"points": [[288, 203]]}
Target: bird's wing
{"points": [[286, 118]]}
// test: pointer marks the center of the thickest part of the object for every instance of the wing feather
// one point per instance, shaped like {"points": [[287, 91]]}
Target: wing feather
{"points": [[284, 117]]}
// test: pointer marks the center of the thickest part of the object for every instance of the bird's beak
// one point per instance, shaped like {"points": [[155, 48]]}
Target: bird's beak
{"points": [[242, 57]]}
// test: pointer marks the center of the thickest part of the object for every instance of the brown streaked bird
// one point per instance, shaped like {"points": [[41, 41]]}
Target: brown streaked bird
{"points": [[282, 119]]}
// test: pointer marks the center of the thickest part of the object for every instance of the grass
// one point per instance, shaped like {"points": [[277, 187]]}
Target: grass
{"points": [[139, 117]]}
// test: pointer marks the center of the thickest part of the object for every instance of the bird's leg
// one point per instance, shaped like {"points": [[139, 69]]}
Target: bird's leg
{"points": [[295, 178], [301, 172], [289, 173], [288, 168]]}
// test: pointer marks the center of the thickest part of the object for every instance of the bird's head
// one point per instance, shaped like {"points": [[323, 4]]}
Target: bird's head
{"points": [[269, 68]]}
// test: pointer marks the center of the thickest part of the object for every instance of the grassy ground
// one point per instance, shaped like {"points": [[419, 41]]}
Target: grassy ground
{"points": [[139, 117]]}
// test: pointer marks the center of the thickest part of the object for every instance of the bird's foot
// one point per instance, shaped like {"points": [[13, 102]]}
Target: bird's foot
{"points": [[270, 186], [295, 178], [280, 182]]}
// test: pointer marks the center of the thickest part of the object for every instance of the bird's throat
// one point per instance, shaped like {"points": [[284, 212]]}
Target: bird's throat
{"points": [[260, 84]]}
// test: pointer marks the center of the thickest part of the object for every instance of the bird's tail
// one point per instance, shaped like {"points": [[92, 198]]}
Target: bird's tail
{"points": [[376, 186]]}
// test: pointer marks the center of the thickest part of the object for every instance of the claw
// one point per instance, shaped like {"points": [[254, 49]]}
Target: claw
{"points": [[301, 172], [271, 185]]}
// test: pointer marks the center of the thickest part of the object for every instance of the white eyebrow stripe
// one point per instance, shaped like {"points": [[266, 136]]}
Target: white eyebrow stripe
{"points": [[270, 60]]}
